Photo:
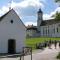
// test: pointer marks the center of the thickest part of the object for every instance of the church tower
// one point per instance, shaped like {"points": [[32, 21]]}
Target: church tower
{"points": [[40, 18]]}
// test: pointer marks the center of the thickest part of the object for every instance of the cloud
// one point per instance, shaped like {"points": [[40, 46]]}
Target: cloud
{"points": [[3, 10], [26, 3], [49, 16], [46, 16], [27, 8], [23, 7], [56, 10]]}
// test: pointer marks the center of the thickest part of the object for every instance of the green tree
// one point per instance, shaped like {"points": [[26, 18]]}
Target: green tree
{"points": [[57, 0], [57, 16]]}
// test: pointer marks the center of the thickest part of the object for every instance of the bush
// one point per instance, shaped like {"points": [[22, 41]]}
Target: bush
{"points": [[31, 42], [58, 56]]}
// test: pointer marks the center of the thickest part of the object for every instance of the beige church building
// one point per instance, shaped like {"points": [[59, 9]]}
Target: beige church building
{"points": [[44, 28]]}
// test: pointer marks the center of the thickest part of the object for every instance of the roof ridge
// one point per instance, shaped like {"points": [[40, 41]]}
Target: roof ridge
{"points": [[4, 15]]}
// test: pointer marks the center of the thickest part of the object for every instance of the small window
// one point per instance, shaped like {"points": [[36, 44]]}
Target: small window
{"points": [[57, 29], [11, 21], [54, 30], [48, 30]]}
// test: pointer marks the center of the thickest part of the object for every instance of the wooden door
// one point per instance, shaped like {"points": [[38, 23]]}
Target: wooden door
{"points": [[11, 46]]}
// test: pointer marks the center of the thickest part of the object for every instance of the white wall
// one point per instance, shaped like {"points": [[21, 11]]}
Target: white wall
{"points": [[31, 33], [51, 30], [11, 31]]}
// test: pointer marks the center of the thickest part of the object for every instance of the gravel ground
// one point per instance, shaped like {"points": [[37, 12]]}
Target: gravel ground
{"points": [[46, 54]]}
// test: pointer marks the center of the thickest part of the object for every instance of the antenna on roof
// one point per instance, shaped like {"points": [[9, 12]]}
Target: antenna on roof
{"points": [[10, 4]]}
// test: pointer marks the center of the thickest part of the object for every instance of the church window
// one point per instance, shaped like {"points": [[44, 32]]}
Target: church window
{"points": [[54, 30], [43, 31], [11, 21], [38, 31], [57, 29], [48, 31]]}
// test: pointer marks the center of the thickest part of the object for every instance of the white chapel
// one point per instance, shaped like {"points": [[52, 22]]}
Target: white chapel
{"points": [[12, 33]]}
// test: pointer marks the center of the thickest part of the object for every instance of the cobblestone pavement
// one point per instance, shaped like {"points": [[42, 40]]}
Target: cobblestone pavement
{"points": [[47, 54]]}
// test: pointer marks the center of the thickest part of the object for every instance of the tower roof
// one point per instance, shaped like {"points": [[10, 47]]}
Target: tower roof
{"points": [[40, 11]]}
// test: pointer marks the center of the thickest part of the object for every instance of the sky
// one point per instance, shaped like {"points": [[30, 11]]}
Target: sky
{"points": [[27, 9]]}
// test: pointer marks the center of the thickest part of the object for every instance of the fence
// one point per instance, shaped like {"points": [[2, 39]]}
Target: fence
{"points": [[26, 51]]}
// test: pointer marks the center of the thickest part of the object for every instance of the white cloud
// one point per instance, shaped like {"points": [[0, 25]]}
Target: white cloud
{"points": [[30, 23], [20, 5], [49, 16], [56, 10], [26, 3], [3, 10], [46, 16]]}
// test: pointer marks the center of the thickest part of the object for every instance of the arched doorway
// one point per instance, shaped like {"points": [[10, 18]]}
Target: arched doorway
{"points": [[11, 46]]}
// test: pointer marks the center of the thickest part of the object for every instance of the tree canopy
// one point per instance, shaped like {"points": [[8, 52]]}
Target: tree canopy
{"points": [[57, 0], [57, 16]]}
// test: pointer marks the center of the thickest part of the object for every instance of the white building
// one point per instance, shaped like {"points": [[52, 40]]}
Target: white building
{"points": [[46, 28], [12, 33], [31, 31]]}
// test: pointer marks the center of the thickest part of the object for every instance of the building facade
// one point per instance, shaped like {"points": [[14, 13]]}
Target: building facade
{"points": [[12, 33], [47, 28]]}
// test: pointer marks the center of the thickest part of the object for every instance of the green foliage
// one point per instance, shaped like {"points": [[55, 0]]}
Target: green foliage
{"points": [[31, 42], [57, 16], [58, 56], [57, 0]]}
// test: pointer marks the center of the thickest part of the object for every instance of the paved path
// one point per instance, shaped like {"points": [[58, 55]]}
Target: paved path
{"points": [[47, 54]]}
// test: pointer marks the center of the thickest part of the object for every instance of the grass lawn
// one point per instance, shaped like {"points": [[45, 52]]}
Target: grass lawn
{"points": [[31, 42]]}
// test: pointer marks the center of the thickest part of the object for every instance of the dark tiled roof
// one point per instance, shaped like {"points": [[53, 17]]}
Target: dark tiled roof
{"points": [[32, 28], [4, 15], [49, 22]]}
